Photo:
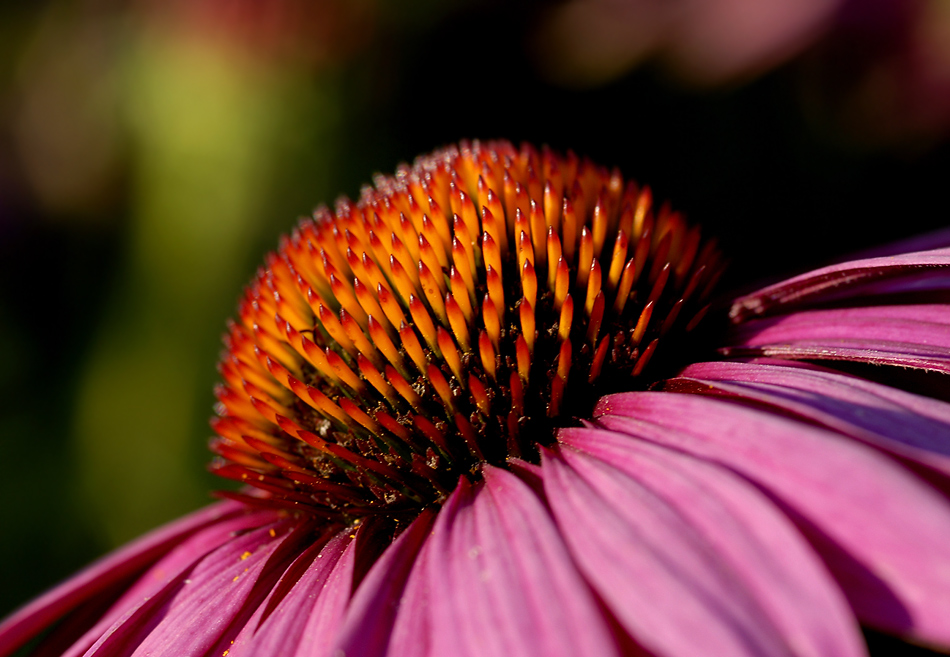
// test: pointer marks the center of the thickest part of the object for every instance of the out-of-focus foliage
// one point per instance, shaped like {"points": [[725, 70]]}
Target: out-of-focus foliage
{"points": [[151, 152]]}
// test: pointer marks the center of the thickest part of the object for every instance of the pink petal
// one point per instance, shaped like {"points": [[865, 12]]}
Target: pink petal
{"points": [[302, 615], [171, 568], [501, 581], [368, 623], [190, 614], [412, 629], [910, 336], [920, 271], [910, 426], [873, 352], [325, 620], [881, 530], [691, 558], [920, 324], [29, 620], [724, 39]]}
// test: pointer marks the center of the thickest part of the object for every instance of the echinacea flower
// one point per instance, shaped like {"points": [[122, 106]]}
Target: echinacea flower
{"points": [[404, 395]]}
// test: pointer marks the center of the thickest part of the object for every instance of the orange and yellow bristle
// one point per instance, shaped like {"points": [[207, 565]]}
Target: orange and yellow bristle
{"points": [[456, 314]]}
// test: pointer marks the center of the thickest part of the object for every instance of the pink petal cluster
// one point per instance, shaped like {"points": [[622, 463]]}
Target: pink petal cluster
{"points": [[591, 41], [880, 69], [759, 504]]}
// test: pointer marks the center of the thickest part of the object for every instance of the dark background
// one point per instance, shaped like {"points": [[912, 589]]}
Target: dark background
{"points": [[122, 123]]}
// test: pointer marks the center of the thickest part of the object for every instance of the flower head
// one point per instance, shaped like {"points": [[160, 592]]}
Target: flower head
{"points": [[450, 318], [440, 399]]}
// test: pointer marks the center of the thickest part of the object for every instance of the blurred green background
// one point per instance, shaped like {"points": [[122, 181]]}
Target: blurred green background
{"points": [[151, 152]]}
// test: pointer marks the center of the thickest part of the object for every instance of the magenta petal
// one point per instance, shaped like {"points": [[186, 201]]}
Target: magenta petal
{"points": [[223, 598], [412, 629], [501, 581], [691, 558], [170, 569], [325, 619], [305, 620], [368, 623], [881, 530], [29, 620], [916, 324], [909, 336], [908, 425], [909, 272], [193, 611], [897, 354]]}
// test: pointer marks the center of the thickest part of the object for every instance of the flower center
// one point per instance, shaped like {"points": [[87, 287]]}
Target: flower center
{"points": [[457, 314]]}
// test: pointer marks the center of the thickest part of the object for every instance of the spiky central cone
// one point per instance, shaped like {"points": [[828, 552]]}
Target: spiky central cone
{"points": [[456, 315]]}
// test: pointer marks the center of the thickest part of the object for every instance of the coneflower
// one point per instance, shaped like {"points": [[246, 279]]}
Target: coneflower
{"points": [[454, 316], [468, 425]]}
